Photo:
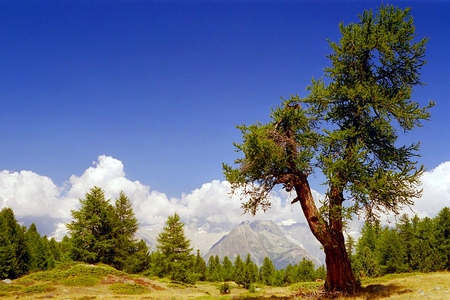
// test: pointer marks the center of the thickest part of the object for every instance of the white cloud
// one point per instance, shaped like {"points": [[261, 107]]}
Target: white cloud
{"points": [[436, 191], [29, 194]]}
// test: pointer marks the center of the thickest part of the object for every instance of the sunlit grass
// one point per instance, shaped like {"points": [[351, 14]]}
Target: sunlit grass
{"points": [[82, 281]]}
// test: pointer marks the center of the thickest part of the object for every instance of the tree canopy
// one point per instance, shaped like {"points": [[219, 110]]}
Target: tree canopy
{"points": [[347, 128]]}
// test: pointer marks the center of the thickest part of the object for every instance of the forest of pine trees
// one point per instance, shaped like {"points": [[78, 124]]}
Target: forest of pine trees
{"points": [[101, 232]]}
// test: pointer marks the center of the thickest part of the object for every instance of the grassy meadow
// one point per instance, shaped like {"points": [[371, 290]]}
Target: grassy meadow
{"points": [[83, 282]]}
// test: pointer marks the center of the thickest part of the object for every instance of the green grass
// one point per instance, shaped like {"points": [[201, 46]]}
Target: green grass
{"points": [[81, 281]]}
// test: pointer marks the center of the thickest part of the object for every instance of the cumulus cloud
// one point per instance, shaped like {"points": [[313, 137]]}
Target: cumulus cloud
{"points": [[30, 194], [436, 191]]}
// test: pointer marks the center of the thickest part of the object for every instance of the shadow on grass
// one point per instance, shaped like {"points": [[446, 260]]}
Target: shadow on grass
{"points": [[379, 291]]}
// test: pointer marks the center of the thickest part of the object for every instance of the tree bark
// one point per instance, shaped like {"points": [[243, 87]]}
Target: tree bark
{"points": [[340, 277]]}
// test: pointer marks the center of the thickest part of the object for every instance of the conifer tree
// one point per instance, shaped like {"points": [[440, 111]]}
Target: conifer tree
{"points": [[347, 128], [305, 271], [14, 255], [239, 271], [125, 227], [267, 272], [214, 269], [40, 255], [227, 269], [175, 249], [442, 234], [250, 271], [92, 229], [138, 259], [408, 239], [200, 266], [390, 252]]}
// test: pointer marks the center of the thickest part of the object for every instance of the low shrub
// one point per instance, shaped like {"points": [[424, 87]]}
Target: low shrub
{"points": [[225, 288], [38, 288], [128, 288], [81, 281]]}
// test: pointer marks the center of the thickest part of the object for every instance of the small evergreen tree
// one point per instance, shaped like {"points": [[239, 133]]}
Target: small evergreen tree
{"points": [[250, 271], [267, 272], [239, 271], [227, 269], [214, 269], [139, 259], [200, 266], [178, 262], [125, 227], [305, 271], [40, 255]]}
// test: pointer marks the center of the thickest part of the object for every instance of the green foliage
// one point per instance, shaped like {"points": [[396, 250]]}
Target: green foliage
{"points": [[200, 266], [40, 255], [14, 254], [225, 288], [174, 258], [91, 229], [252, 288], [267, 272], [101, 232], [38, 288], [413, 245], [214, 269], [73, 270], [227, 269], [84, 280], [347, 128], [250, 272], [125, 228]]}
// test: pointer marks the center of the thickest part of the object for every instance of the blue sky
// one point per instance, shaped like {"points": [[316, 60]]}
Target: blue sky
{"points": [[161, 85]]}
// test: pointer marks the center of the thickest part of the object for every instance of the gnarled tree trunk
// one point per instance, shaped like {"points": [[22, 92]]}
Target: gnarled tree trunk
{"points": [[340, 277]]}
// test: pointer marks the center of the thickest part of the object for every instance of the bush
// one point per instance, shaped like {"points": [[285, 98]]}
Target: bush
{"points": [[81, 281], [128, 288], [253, 288], [39, 288], [225, 288]]}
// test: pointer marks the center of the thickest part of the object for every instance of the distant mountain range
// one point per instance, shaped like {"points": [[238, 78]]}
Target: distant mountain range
{"points": [[283, 244], [261, 239]]}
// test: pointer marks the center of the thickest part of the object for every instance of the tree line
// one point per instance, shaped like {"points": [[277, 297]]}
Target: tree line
{"points": [[413, 244], [101, 232]]}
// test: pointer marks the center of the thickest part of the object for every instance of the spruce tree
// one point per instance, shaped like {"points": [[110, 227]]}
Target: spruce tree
{"points": [[390, 252], [41, 257], [200, 266], [250, 271], [92, 229], [305, 271], [175, 249], [442, 234], [267, 272], [239, 271], [227, 269], [125, 227], [14, 255]]}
